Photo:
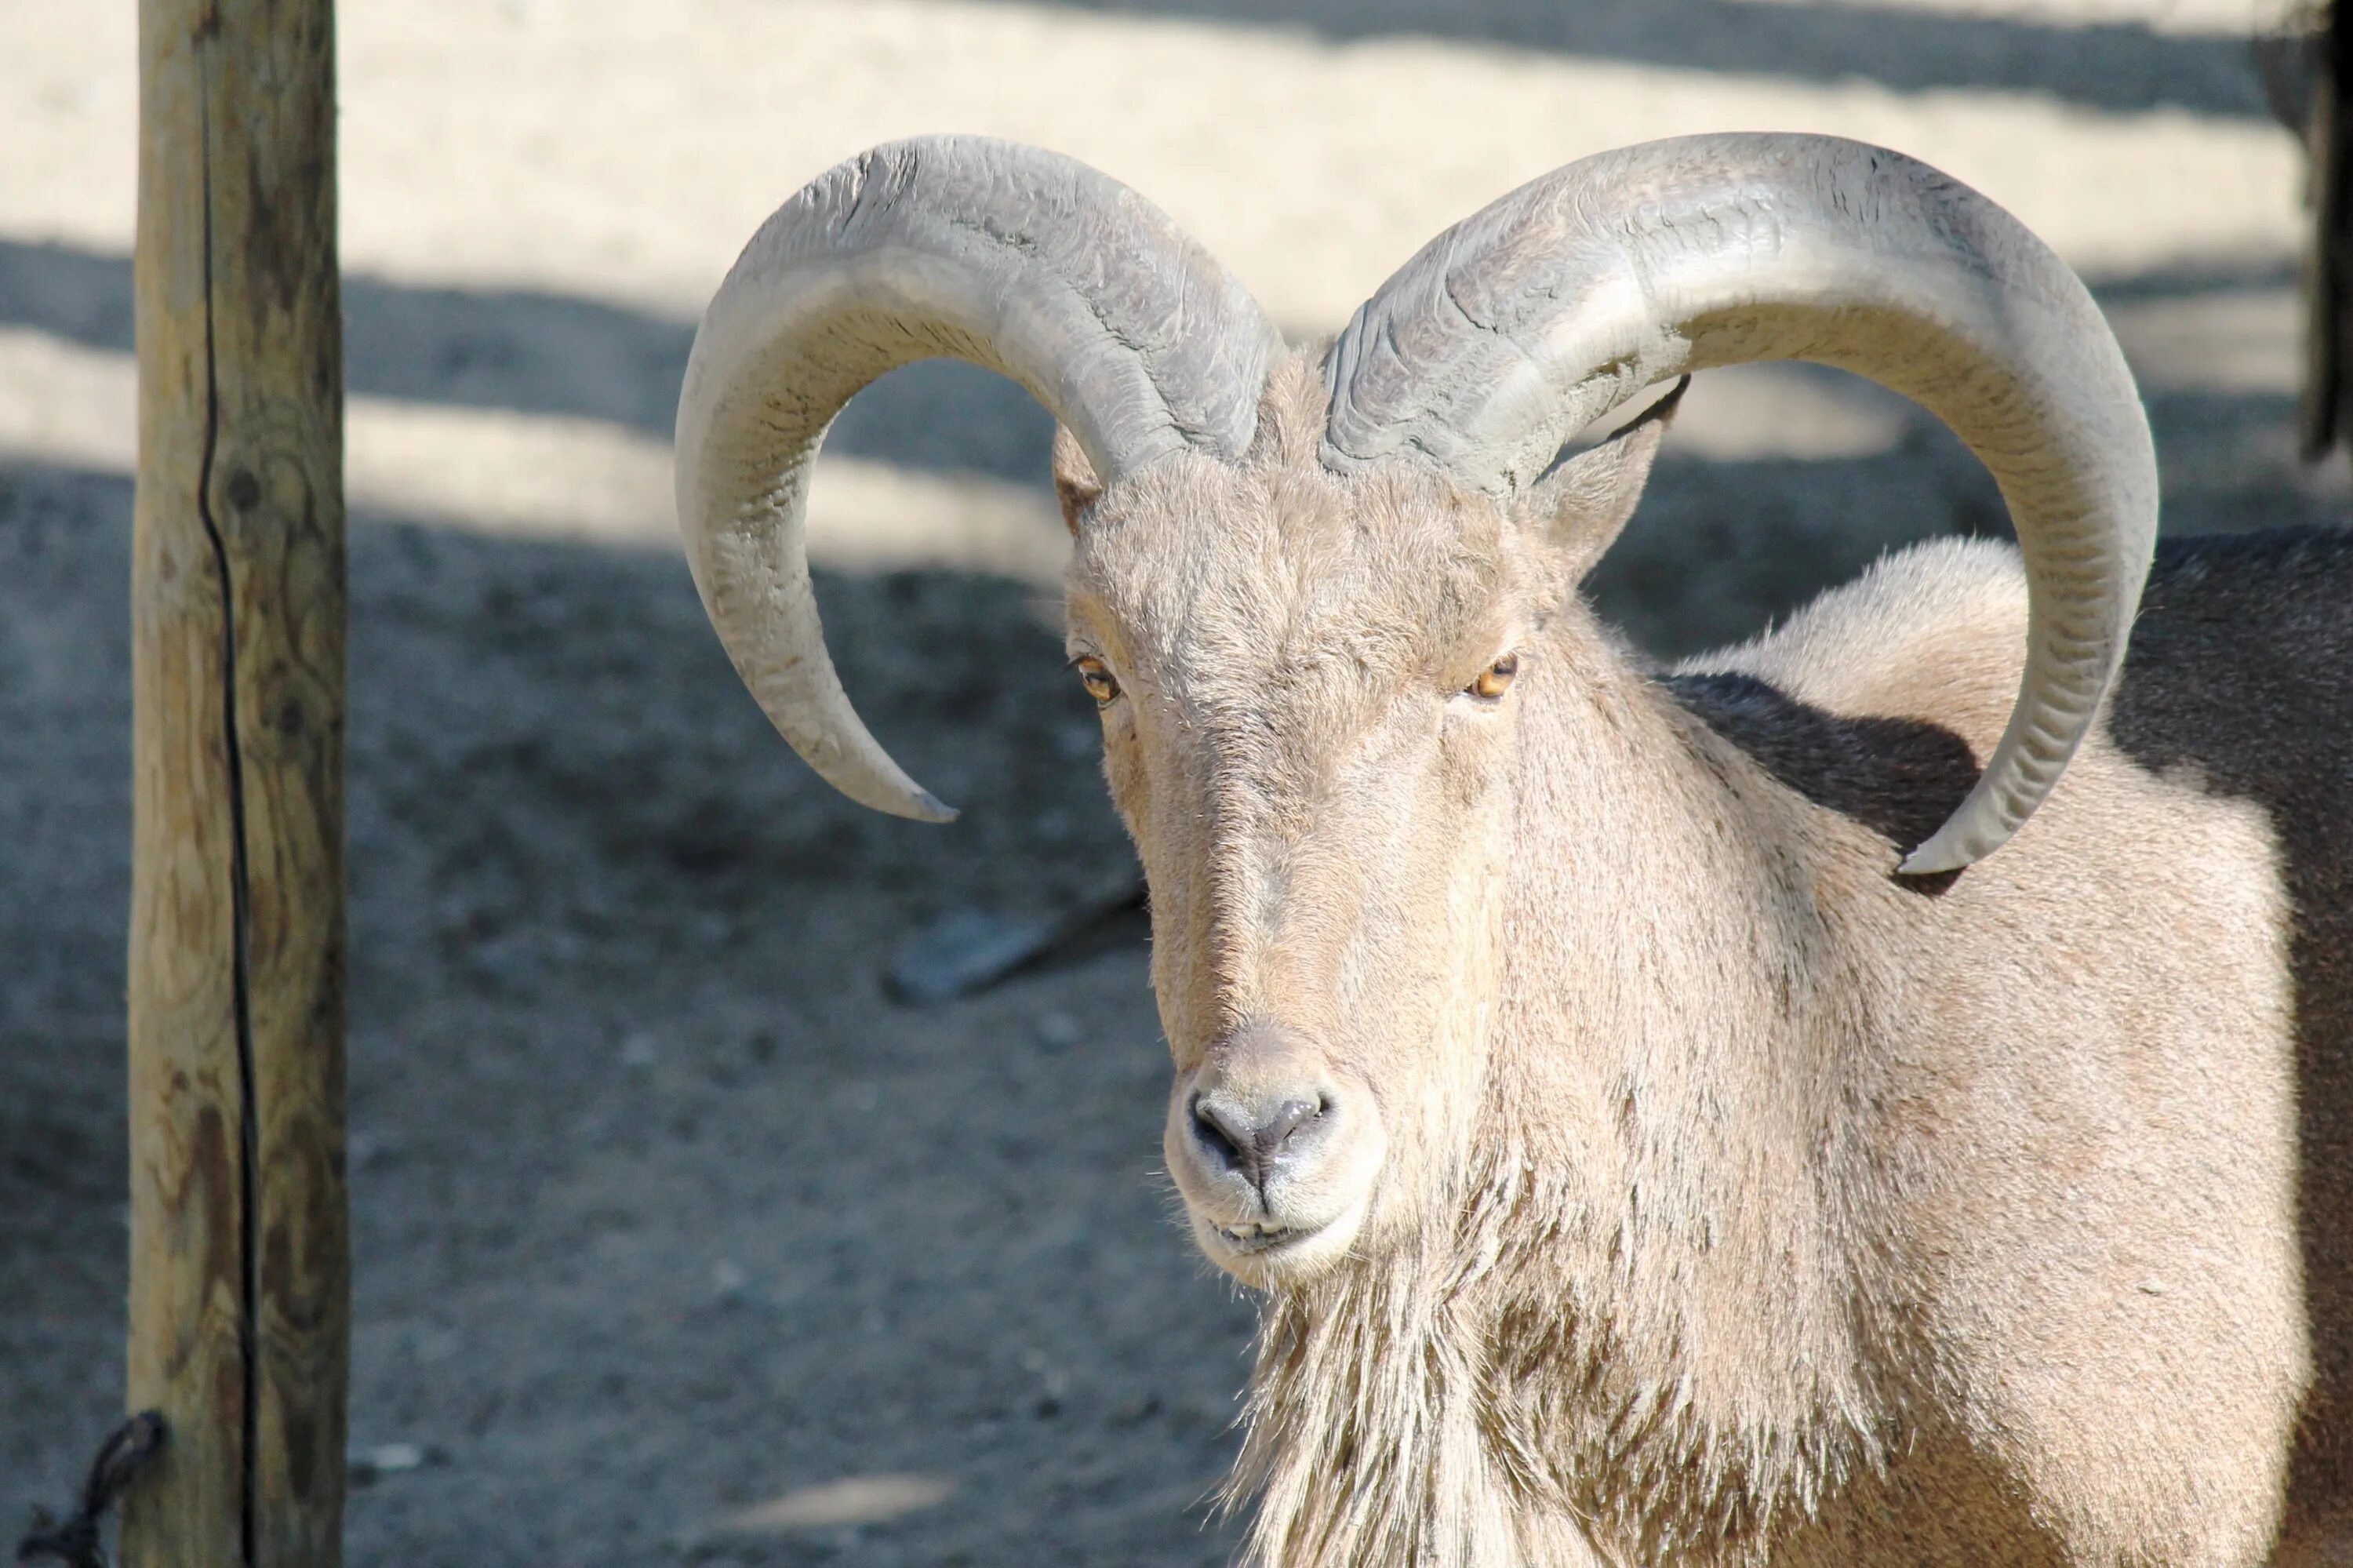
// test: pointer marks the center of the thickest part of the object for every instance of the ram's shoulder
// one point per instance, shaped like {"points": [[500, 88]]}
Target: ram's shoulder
{"points": [[2239, 675], [1935, 634]]}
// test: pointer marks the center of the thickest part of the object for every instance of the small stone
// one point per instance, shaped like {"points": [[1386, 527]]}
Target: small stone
{"points": [[640, 1051], [728, 1278], [364, 1466], [1058, 1031], [368, 1151]]}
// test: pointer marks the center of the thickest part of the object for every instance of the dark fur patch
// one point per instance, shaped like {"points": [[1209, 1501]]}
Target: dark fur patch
{"points": [[1899, 777]]}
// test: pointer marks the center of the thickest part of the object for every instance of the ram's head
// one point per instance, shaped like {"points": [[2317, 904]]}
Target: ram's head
{"points": [[1326, 599]]}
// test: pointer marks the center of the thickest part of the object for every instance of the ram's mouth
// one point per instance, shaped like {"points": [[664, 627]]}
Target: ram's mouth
{"points": [[1253, 1238]]}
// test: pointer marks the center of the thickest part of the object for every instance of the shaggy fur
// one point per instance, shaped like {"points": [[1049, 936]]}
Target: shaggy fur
{"points": [[1710, 1194]]}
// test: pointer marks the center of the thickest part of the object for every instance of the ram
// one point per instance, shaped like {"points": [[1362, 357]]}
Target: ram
{"points": [[1662, 1128]]}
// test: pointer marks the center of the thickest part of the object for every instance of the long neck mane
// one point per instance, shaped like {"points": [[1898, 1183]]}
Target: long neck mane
{"points": [[1631, 1323]]}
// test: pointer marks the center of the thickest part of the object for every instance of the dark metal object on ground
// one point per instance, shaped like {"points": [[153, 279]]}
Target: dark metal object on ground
{"points": [[76, 1542], [970, 951]]}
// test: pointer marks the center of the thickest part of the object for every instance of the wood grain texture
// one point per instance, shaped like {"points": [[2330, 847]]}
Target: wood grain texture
{"points": [[239, 1280]]}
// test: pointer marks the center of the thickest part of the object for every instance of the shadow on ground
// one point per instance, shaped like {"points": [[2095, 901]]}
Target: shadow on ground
{"points": [[2114, 66]]}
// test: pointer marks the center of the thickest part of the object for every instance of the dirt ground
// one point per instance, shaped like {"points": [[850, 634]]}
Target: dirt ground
{"points": [[676, 1240]]}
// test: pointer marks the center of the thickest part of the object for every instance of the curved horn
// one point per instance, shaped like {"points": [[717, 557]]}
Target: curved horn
{"points": [[1022, 261], [1513, 329]]}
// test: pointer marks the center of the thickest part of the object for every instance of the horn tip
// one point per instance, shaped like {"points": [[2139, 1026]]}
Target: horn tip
{"points": [[1941, 854], [923, 806]]}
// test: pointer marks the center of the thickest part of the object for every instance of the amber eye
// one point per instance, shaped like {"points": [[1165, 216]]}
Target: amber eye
{"points": [[1096, 676], [1495, 679]]}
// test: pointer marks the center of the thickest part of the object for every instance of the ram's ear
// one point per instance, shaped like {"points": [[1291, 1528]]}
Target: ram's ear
{"points": [[1582, 504], [1075, 484]]}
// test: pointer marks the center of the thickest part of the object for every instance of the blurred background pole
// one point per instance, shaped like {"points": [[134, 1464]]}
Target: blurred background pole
{"points": [[239, 1273], [2313, 104]]}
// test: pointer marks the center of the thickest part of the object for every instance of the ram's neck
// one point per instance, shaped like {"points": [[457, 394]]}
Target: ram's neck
{"points": [[1638, 1310], [1674, 1170]]}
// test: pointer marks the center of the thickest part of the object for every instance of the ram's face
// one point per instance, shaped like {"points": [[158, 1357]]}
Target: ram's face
{"points": [[1310, 692]]}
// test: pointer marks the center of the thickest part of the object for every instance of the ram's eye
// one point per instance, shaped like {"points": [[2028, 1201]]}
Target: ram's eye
{"points": [[1495, 679], [1096, 676]]}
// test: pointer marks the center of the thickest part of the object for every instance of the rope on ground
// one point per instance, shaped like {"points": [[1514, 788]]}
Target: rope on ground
{"points": [[75, 1542]]}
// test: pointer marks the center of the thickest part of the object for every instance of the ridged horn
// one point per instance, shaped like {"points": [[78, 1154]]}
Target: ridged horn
{"points": [[1517, 327], [1022, 261]]}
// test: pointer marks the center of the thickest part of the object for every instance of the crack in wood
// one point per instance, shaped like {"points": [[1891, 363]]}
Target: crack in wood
{"points": [[248, 1313]]}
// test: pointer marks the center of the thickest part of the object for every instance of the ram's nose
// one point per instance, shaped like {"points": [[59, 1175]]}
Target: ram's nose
{"points": [[1254, 1134]]}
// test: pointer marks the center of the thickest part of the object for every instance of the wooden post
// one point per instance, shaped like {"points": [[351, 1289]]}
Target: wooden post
{"points": [[241, 1255]]}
